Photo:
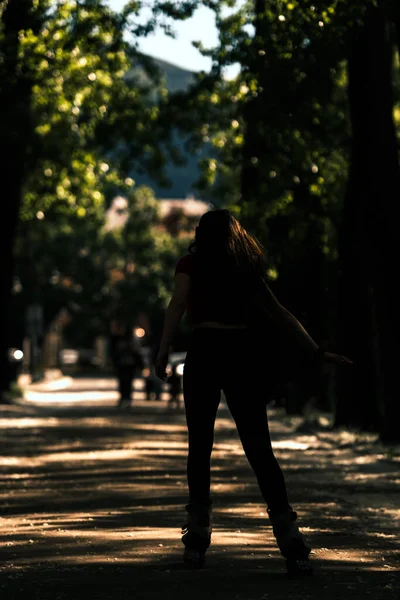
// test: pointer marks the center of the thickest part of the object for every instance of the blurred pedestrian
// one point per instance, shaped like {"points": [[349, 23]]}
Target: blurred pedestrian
{"points": [[126, 358], [222, 284]]}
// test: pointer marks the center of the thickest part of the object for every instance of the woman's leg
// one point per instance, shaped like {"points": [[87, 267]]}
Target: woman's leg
{"points": [[248, 409], [246, 402], [202, 396]]}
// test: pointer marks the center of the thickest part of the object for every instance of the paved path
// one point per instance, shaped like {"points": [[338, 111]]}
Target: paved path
{"points": [[92, 503]]}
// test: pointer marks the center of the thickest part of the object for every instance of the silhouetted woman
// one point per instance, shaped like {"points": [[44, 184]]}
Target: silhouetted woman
{"points": [[222, 284]]}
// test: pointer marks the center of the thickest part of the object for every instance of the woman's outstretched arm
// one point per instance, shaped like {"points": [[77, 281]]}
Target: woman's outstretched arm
{"points": [[274, 310], [173, 315]]}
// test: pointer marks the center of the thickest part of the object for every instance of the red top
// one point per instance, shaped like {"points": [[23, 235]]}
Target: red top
{"points": [[221, 302], [185, 265]]}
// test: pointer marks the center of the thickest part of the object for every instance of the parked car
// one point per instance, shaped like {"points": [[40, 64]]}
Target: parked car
{"points": [[84, 358]]}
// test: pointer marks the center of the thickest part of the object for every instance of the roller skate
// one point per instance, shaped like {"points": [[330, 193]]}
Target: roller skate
{"points": [[196, 535], [291, 542]]}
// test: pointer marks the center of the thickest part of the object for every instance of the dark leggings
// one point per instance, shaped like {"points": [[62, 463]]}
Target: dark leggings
{"points": [[125, 378], [228, 360]]}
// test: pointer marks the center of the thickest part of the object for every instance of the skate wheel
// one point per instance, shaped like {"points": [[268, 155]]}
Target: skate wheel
{"points": [[297, 566]]}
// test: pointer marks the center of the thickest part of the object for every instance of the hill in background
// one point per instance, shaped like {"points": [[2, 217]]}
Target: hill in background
{"points": [[182, 178]]}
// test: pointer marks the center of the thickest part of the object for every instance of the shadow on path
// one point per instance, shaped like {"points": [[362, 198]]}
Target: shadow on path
{"points": [[92, 501]]}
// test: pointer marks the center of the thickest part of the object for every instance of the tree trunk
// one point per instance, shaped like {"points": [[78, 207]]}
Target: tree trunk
{"points": [[395, 17], [15, 133], [369, 329]]}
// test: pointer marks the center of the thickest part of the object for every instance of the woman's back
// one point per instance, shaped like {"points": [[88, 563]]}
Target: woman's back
{"points": [[218, 292], [225, 266]]}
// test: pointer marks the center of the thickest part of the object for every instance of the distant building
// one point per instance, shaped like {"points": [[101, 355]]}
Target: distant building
{"points": [[182, 177], [190, 207], [117, 215], [176, 214], [180, 217]]}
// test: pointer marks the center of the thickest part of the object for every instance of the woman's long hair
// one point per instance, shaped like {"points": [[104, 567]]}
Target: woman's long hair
{"points": [[223, 245]]}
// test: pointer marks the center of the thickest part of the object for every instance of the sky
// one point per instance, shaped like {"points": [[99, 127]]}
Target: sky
{"points": [[179, 51]]}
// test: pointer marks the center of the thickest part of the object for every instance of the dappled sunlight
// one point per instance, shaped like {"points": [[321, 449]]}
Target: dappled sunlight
{"points": [[92, 391], [362, 559], [29, 423], [367, 477], [248, 510], [156, 445], [85, 398], [85, 486], [223, 424], [220, 450], [98, 455], [71, 397], [291, 445], [161, 428]]}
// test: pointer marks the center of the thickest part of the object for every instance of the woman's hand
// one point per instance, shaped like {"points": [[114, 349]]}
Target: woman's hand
{"points": [[160, 364], [337, 359]]}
